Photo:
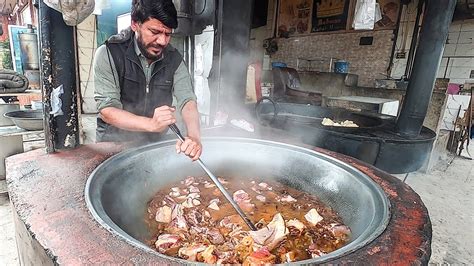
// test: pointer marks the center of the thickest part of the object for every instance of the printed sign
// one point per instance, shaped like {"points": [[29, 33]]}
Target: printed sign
{"points": [[329, 15], [294, 17]]}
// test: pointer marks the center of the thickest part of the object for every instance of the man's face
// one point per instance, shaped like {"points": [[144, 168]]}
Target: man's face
{"points": [[152, 37]]}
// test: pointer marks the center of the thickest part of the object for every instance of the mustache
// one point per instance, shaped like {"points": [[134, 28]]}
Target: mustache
{"points": [[157, 46]]}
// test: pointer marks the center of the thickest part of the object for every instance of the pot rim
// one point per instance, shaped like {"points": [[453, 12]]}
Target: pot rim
{"points": [[9, 115], [347, 249]]}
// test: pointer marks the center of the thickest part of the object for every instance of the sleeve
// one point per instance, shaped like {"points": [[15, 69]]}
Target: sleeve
{"points": [[182, 87], [106, 83]]}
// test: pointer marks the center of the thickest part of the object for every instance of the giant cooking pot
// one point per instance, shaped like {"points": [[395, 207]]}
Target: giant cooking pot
{"points": [[117, 192]]}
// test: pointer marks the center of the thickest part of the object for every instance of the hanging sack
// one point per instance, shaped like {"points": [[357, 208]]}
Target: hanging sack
{"points": [[74, 11], [364, 17]]}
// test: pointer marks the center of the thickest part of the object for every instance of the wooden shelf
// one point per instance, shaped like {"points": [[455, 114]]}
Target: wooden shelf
{"points": [[27, 92], [25, 98], [15, 131]]}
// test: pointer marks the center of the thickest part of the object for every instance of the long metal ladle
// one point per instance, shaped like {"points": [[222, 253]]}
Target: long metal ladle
{"points": [[219, 185]]}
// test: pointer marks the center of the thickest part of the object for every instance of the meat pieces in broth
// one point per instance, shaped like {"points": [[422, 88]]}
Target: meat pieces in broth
{"points": [[193, 221]]}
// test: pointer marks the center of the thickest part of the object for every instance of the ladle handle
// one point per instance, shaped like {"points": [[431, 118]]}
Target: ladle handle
{"points": [[228, 196], [219, 185], [175, 129]]}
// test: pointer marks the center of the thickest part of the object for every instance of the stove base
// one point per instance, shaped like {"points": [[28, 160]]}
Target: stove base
{"points": [[52, 220]]}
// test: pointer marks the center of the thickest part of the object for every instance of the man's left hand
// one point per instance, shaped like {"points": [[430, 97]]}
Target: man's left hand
{"points": [[191, 147]]}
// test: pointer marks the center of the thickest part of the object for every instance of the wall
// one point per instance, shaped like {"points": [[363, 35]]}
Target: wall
{"points": [[370, 62], [405, 34], [30, 251], [258, 35], [460, 44], [86, 43], [435, 108]]}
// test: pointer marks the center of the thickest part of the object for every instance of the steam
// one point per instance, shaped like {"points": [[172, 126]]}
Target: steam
{"points": [[232, 85], [228, 79]]}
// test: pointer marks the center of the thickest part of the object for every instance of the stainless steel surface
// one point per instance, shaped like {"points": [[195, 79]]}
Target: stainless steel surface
{"points": [[5, 108], [27, 119], [117, 192], [216, 181], [29, 50]]}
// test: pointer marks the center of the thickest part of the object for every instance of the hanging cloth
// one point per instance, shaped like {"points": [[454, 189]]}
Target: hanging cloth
{"points": [[364, 17], [74, 11]]}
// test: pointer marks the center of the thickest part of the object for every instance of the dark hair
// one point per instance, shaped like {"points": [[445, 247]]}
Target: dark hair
{"points": [[162, 10]]}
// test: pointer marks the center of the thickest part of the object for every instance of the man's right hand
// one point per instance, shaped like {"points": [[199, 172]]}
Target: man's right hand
{"points": [[162, 118]]}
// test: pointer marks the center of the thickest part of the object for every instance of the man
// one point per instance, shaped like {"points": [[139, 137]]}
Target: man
{"points": [[136, 74]]}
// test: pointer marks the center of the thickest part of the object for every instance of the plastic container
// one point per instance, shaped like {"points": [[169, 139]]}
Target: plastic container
{"points": [[278, 64], [341, 66], [37, 105]]}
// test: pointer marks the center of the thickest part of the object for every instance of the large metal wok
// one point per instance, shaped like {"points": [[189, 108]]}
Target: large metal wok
{"points": [[118, 190], [278, 114]]}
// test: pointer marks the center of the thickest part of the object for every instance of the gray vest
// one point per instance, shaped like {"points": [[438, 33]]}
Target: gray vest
{"points": [[136, 96]]}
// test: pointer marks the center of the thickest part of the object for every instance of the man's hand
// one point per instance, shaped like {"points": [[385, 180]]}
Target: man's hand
{"points": [[162, 118], [191, 147]]}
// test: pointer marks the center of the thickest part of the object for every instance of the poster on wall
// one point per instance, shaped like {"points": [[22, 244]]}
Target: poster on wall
{"points": [[389, 10], [294, 17], [13, 31], [330, 15]]}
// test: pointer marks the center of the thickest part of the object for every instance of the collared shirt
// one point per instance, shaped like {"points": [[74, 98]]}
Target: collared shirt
{"points": [[107, 90]]}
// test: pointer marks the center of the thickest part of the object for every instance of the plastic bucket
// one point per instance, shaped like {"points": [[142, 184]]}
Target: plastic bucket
{"points": [[341, 66]]}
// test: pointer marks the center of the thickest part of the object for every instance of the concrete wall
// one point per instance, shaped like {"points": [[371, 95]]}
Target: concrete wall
{"points": [[435, 108], [258, 35], [86, 43], [460, 44], [370, 62], [30, 251], [405, 33]]}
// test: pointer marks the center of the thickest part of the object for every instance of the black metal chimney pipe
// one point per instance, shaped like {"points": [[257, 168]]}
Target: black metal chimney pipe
{"points": [[58, 67], [436, 20]]}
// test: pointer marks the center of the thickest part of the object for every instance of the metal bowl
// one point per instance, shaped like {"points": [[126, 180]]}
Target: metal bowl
{"points": [[27, 119], [117, 192], [5, 108]]}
